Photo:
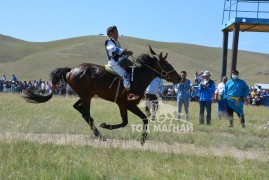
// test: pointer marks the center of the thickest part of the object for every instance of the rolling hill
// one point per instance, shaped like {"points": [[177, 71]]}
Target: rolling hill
{"points": [[35, 60]]}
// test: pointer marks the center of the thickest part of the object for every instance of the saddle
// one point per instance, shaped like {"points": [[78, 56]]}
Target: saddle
{"points": [[110, 70], [96, 71]]}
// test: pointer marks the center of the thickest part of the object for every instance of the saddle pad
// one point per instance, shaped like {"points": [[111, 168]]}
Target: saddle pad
{"points": [[110, 70]]}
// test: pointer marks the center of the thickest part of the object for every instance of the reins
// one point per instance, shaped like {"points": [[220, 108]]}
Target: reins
{"points": [[166, 76]]}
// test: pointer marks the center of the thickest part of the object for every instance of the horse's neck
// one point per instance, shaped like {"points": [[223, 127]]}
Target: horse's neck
{"points": [[149, 79], [146, 76]]}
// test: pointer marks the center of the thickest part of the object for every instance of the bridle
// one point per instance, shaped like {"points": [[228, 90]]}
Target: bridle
{"points": [[164, 74]]}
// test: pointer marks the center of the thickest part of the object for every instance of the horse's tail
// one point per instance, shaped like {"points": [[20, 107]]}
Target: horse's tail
{"points": [[56, 76], [59, 74]]}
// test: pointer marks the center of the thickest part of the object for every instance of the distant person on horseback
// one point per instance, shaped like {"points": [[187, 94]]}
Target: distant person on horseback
{"points": [[118, 59]]}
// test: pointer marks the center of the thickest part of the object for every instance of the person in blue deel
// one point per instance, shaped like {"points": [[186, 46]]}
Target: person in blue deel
{"points": [[235, 91]]}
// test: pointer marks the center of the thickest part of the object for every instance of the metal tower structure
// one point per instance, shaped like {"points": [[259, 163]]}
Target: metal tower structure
{"points": [[244, 16]]}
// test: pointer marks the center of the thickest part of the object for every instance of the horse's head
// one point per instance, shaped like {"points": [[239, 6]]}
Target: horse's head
{"points": [[160, 66]]}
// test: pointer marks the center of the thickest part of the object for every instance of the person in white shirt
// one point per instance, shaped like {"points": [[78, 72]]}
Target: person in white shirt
{"points": [[152, 94], [222, 104], [43, 87], [48, 88], [4, 78], [115, 54]]}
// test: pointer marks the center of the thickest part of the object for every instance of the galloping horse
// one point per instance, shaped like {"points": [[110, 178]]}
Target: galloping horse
{"points": [[88, 80]]}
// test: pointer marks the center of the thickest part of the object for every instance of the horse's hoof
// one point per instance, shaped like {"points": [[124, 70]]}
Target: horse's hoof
{"points": [[102, 138], [106, 126], [143, 138], [103, 125]]}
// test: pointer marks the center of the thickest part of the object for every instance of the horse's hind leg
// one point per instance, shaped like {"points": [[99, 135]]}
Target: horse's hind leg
{"points": [[78, 106], [84, 106]]}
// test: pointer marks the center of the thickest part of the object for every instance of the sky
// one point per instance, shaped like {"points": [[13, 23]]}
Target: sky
{"points": [[180, 21]]}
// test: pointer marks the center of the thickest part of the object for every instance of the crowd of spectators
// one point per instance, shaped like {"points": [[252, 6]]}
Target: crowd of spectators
{"points": [[257, 96], [38, 86]]}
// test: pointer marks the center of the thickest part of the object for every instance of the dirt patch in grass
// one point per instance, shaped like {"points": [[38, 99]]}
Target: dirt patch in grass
{"points": [[154, 146]]}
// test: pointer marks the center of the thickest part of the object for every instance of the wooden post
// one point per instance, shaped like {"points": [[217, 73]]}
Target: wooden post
{"points": [[224, 53], [235, 46]]}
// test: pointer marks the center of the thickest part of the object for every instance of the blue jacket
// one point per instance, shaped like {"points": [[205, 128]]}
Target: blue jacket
{"points": [[206, 93], [14, 78], [183, 90]]}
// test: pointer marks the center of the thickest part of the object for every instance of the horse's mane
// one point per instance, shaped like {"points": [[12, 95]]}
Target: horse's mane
{"points": [[146, 59], [141, 61]]}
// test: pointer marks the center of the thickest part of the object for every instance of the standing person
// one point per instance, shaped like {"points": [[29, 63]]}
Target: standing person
{"points": [[3, 78], [115, 54], [47, 88], [222, 104], [235, 91], [43, 87], [1, 87], [253, 94], [183, 95], [259, 89], [206, 89], [152, 94], [170, 96], [193, 94], [198, 77], [14, 78]]}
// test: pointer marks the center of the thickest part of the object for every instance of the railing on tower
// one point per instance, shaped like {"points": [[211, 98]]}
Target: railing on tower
{"points": [[245, 8]]}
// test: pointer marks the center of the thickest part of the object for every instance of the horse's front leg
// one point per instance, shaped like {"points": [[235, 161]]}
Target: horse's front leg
{"points": [[124, 117], [134, 109]]}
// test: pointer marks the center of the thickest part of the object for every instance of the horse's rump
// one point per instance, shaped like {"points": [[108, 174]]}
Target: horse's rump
{"points": [[96, 80]]}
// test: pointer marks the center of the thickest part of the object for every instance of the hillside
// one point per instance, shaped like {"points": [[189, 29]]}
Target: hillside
{"points": [[35, 60]]}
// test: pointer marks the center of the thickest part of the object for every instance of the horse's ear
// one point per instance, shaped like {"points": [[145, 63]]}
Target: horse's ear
{"points": [[150, 55], [164, 58], [151, 51], [161, 56]]}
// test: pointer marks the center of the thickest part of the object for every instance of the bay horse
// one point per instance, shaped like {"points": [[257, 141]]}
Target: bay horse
{"points": [[88, 80]]}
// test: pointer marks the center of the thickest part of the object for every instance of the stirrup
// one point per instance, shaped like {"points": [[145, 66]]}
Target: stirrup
{"points": [[132, 97]]}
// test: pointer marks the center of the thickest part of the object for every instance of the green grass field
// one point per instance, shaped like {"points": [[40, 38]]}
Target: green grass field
{"points": [[209, 152]]}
